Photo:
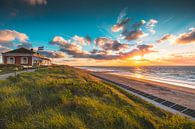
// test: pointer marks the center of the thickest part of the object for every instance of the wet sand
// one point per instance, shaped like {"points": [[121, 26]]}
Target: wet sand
{"points": [[180, 95]]}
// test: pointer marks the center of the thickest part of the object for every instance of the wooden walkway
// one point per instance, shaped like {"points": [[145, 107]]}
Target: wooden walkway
{"points": [[160, 102]]}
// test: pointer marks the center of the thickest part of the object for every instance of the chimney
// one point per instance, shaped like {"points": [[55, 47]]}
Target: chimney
{"points": [[31, 49]]}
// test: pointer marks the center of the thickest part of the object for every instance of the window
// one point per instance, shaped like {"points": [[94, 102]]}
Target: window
{"points": [[10, 60], [24, 60]]}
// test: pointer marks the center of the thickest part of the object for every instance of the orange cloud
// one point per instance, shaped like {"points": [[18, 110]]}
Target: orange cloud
{"points": [[165, 37], [186, 38], [106, 45], [11, 35], [82, 40], [59, 41]]}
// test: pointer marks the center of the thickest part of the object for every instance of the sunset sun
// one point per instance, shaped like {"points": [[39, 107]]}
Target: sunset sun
{"points": [[137, 58]]}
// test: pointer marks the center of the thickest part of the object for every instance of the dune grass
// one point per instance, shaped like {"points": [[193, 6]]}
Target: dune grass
{"points": [[62, 97], [8, 68]]}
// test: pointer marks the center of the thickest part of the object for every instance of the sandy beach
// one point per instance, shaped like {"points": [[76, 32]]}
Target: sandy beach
{"points": [[180, 95]]}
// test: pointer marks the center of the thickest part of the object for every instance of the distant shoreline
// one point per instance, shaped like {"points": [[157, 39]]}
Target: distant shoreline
{"points": [[175, 76]]}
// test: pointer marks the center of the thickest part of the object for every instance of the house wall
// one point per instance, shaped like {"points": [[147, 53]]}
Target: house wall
{"points": [[4, 59], [31, 59], [18, 60], [40, 61]]}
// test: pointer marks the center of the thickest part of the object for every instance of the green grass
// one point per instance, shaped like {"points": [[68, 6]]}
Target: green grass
{"points": [[8, 68], [62, 97]]}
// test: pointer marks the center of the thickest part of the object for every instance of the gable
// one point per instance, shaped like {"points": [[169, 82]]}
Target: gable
{"points": [[21, 50]]}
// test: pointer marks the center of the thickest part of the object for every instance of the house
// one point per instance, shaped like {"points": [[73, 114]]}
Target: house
{"points": [[25, 57]]}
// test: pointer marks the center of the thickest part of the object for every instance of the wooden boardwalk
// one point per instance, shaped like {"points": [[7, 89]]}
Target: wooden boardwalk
{"points": [[162, 102]]}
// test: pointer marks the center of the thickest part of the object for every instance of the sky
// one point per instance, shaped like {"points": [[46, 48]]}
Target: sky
{"points": [[102, 32]]}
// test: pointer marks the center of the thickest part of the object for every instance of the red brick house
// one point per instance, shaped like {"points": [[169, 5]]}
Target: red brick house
{"points": [[24, 57]]}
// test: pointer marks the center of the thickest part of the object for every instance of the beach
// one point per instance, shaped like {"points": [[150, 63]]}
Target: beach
{"points": [[180, 95]]}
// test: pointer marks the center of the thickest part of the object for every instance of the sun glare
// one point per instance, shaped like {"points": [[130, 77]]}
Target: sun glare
{"points": [[137, 58]]}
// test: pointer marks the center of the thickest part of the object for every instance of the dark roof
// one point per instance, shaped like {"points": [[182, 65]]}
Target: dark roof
{"points": [[27, 51], [21, 50]]}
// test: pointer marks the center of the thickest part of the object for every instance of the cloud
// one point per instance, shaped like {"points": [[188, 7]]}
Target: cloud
{"points": [[150, 25], [11, 35], [105, 55], [74, 50], [140, 50], [88, 39], [133, 31], [99, 52], [109, 44], [139, 24], [36, 2], [133, 35], [143, 49], [4, 49], [71, 48], [25, 45], [186, 38], [59, 41], [178, 59], [120, 26], [7, 44], [122, 20], [166, 37], [82, 40], [110, 49], [52, 54], [122, 15]]}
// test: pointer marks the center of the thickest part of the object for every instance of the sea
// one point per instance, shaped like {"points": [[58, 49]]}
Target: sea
{"points": [[183, 76]]}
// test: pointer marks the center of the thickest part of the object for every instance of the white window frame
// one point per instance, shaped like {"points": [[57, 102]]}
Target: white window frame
{"points": [[22, 60], [9, 60]]}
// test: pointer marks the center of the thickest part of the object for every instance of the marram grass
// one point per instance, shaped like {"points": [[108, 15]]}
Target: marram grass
{"points": [[62, 97]]}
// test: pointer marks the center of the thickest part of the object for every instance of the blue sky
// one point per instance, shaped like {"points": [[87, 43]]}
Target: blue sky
{"points": [[42, 20]]}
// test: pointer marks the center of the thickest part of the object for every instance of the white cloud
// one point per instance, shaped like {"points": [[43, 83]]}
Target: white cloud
{"points": [[150, 25]]}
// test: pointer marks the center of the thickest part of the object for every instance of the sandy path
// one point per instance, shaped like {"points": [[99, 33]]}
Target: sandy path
{"points": [[180, 95], [5, 76]]}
